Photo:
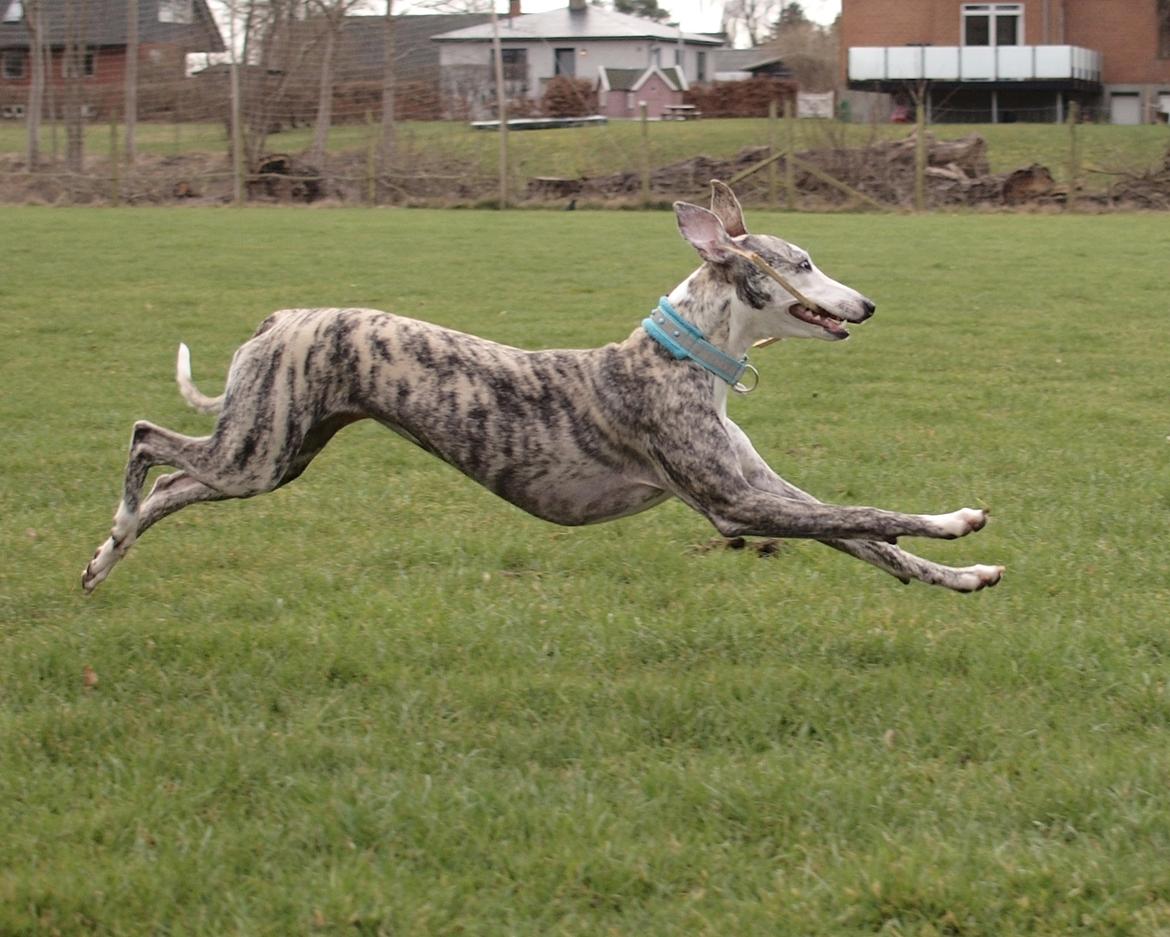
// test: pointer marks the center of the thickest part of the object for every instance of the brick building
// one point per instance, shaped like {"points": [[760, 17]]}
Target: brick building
{"points": [[168, 30], [1013, 61]]}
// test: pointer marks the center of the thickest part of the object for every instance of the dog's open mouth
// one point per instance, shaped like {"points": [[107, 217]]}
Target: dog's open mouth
{"points": [[830, 323]]}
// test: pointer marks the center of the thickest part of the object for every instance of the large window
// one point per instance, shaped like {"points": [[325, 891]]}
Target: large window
{"points": [[85, 61], [515, 64], [1164, 29], [13, 63], [565, 62], [15, 12], [993, 24]]}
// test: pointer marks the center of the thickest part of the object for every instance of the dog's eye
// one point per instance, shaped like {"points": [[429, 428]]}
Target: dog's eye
{"points": [[805, 265]]}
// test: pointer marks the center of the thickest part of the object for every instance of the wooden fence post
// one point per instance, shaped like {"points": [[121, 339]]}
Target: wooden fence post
{"points": [[645, 153], [790, 159], [371, 160], [237, 137], [1074, 156], [501, 105], [772, 111], [920, 150], [115, 174]]}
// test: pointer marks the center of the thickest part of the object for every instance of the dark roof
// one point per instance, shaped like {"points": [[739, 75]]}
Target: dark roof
{"points": [[622, 79], [592, 22], [631, 79], [103, 23], [744, 60], [674, 77], [361, 40]]}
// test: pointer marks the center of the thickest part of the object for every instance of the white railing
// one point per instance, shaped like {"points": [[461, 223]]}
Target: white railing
{"points": [[974, 63]]}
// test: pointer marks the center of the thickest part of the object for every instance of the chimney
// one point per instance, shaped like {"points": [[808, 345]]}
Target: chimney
{"points": [[576, 6], [513, 9]]}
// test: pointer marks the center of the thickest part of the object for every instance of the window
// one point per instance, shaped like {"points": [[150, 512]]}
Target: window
{"points": [[1164, 29], [700, 66], [175, 11], [515, 64], [15, 63], [15, 12], [993, 24], [86, 61], [565, 62]]}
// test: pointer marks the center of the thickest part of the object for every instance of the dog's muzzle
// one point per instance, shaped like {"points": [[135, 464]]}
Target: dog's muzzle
{"points": [[834, 325]]}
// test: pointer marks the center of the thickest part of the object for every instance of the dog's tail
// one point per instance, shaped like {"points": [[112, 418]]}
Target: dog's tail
{"points": [[187, 388]]}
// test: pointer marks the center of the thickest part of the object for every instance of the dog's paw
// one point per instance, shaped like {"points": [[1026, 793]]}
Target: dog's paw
{"points": [[974, 578], [99, 567], [959, 523]]}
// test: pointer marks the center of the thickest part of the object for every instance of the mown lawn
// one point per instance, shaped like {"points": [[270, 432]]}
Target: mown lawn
{"points": [[383, 701]]}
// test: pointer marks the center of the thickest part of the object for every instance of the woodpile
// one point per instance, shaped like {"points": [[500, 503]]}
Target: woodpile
{"points": [[1146, 190], [956, 174]]}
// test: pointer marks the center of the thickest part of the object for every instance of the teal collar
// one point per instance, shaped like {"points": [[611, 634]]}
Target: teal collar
{"points": [[684, 340]]}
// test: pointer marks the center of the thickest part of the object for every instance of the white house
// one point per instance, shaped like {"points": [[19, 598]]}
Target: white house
{"points": [[577, 41]]}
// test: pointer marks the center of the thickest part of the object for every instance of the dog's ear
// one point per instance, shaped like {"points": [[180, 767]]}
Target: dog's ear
{"points": [[726, 206], [705, 232]]}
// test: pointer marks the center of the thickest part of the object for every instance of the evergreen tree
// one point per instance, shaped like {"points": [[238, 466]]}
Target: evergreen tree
{"points": [[647, 9]]}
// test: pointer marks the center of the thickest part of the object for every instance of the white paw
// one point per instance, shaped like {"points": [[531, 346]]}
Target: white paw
{"points": [[101, 564], [959, 523], [974, 578]]}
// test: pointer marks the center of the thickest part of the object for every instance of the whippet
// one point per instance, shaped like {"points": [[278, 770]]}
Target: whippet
{"points": [[570, 436]]}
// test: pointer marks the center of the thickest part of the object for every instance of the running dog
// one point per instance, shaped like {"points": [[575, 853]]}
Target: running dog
{"points": [[573, 437]]}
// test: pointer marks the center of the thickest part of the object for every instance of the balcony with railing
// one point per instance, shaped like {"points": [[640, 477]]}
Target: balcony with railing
{"points": [[1054, 66]]}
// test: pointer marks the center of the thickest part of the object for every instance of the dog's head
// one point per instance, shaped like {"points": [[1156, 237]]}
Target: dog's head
{"points": [[782, 293]]}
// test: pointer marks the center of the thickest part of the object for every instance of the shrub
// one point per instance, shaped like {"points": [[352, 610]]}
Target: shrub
{"points": [[569, 97]]}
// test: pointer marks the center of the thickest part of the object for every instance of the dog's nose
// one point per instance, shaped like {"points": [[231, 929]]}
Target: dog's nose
{"points": [[868, 307]]}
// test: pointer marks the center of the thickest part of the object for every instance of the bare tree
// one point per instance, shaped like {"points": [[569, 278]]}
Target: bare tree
{"points": [[268, 50], [75, 56], [34, 16], [332, 13], [750, 18], [808, 50]]}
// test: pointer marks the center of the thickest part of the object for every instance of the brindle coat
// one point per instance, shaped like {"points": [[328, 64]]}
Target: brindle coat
{"points": [[574, 437]]}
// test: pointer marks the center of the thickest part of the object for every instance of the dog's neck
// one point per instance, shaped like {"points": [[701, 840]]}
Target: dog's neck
{"points": [[708, 301]]}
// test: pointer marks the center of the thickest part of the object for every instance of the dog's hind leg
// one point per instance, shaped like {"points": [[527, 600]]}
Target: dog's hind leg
{"points": [[234, 462], [243, 473], [169, 494]]}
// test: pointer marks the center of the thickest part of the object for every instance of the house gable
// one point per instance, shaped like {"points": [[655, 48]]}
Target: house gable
{"points": [[187, 24]]}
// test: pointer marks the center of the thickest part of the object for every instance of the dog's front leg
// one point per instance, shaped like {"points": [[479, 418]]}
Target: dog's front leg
{"points": [[894, 560]]}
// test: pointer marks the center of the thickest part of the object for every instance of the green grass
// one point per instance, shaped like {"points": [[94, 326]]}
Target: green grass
{"points": [[383, 701], [618, 146]]}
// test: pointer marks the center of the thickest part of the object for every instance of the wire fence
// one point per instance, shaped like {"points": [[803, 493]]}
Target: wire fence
{"points": [[348, 108]]}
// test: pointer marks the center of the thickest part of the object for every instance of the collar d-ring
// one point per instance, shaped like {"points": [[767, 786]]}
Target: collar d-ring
{"points": [[743, 389]]}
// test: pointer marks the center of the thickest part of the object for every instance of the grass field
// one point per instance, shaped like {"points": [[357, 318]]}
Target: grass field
{"points": [[619, 146], [382, 701]]}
